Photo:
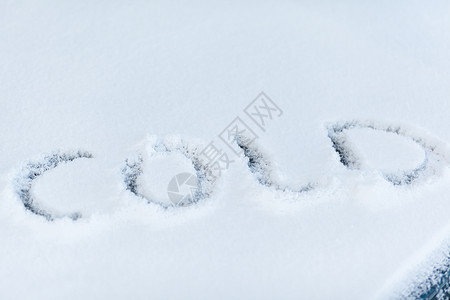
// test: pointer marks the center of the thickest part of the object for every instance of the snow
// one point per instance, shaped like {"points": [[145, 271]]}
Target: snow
{"points": [[103, 76]]}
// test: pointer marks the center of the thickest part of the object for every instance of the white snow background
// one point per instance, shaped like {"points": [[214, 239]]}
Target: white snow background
{"points": [[102, 76]]}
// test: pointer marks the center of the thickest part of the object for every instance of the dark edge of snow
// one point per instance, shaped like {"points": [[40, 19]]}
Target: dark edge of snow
{"points": [[436, 286]]}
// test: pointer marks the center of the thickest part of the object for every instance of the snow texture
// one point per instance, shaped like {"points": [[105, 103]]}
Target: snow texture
{"points": [[343, 195]]}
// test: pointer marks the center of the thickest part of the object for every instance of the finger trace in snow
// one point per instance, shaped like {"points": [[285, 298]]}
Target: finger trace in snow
{"points": [[261, 167], [435, 154], [23, 182], [157, 147]]}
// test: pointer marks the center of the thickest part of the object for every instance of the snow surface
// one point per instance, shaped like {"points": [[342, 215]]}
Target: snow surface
{"points": [[102, 76]]}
